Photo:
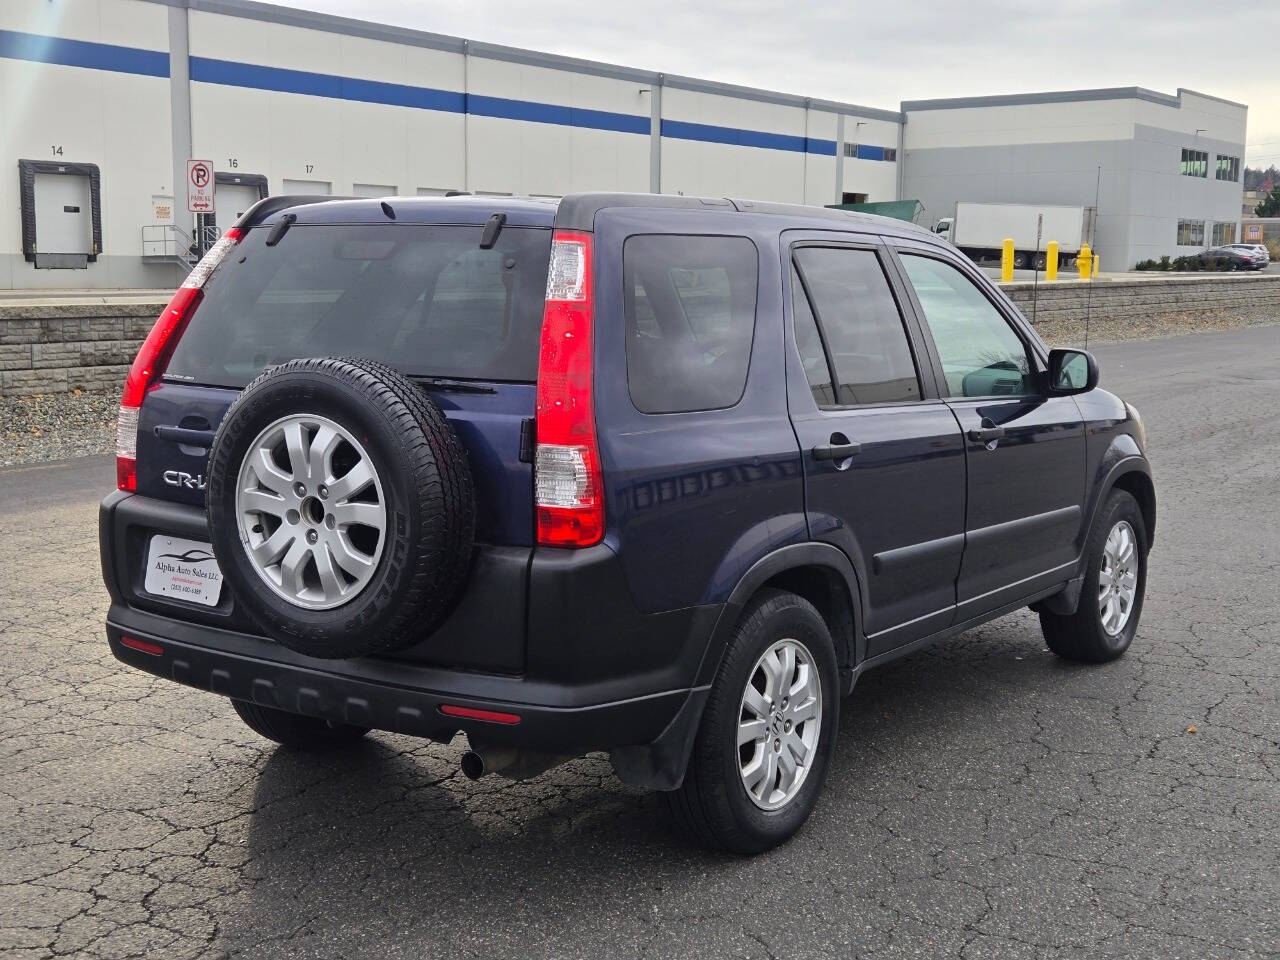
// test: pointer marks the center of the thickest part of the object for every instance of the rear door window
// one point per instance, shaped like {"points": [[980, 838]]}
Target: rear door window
{"points": [[860, 325], [424, 299], [690, 308]]}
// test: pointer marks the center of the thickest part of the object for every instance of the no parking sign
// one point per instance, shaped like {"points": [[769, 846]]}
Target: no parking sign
{"points": [[200, 186]]}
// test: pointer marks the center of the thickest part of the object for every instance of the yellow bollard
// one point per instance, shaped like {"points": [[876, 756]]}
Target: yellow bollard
{"points": [[1097, 261], [1084, 262], [1051, 261], [1006, 261]]}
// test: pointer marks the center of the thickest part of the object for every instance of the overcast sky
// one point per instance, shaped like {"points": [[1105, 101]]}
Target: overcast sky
{"points": [[879, 52]]}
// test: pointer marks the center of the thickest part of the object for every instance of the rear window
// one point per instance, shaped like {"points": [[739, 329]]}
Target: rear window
{"points": [[690, 306], [424, 299]]}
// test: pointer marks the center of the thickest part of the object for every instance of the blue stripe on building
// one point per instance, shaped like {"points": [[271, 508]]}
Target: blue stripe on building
{"points": [[708, 133], [228, 73], [481, 106], [103, 56], [80, 53]]}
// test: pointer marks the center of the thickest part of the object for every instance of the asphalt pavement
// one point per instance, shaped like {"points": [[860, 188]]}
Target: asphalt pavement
{"points": [[985, 800]]}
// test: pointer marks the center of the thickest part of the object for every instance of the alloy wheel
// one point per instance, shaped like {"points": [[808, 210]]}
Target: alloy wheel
{"points": [[1118, 578], [779, 723], [311, 511]]}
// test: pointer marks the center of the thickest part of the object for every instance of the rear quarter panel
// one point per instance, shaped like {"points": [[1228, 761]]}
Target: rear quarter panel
{"points": [[693, 500]]}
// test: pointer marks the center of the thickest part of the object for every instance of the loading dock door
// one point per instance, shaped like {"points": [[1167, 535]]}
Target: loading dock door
{"points": [[373, 190], [64, 222], [231, 201], [307, 188]]}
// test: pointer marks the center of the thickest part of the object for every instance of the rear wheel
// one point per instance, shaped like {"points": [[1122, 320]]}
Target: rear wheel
{"points": [[766, 737], [296, 731], [1115, 580]]}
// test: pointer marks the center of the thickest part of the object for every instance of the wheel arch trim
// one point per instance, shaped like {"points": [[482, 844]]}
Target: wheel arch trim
{"points": [[1128, 465], [796, 556]]}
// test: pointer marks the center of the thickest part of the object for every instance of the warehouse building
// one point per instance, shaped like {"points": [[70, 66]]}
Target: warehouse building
{"points": [[106, 100], [1164, 172]]}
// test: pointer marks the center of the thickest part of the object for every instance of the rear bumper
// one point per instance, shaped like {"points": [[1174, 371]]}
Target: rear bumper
{"points": [[552, 636], [390, 695]]}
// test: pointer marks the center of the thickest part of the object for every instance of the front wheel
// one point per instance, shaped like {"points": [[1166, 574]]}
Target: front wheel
{"points": [[765, 741], [1115, 581]]}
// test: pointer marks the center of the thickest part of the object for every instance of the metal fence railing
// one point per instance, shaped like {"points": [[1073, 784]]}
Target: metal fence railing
{"points": [[168, 241]]}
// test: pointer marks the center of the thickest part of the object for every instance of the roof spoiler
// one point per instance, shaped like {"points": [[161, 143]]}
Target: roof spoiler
{"points": [[264, 208]]}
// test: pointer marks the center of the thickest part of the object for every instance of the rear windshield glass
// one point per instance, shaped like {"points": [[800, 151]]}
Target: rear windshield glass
{"points": [[424, 299]]}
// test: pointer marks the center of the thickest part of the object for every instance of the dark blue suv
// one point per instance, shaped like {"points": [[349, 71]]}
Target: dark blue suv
{"points": [[658, 476]]}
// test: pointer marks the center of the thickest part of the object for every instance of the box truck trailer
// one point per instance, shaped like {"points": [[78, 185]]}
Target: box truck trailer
{"points": [[980, 229]]}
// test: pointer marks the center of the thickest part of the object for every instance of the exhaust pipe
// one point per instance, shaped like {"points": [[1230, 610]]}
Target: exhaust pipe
{"points": [[475, 765], [472, 765], [507, 761]]}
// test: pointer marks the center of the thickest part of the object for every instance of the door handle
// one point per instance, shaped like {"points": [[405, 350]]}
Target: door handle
{"points": [[194, 438], [836, 451], [986, 434]]}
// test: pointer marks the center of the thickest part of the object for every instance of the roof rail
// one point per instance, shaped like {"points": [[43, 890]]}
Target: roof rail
{"points": [[578, 211]]}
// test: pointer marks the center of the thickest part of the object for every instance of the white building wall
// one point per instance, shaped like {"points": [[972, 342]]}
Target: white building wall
{"points": [[528, 157], [878, 179], [292, 103], [118, 121], [717, 140], [698, 168], [1120, 150], [293, 136], [1027, 123]]}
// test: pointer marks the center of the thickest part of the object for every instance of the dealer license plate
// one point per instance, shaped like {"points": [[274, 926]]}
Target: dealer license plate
{"points": [[184, 570]]}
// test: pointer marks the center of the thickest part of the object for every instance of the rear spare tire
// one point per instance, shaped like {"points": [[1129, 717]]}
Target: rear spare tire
{"points": [[341, 507]]}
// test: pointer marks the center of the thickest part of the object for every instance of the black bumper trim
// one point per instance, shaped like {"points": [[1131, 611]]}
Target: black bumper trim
{"points": [[415, 710]]}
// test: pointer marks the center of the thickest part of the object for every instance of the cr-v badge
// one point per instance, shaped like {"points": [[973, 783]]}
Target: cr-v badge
{"points": [[180, 478]]}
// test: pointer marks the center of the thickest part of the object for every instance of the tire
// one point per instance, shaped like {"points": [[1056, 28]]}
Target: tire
{"points": [[1083, 635], [395, 550], [1041, 261], [713, 806], [296, 731], [1019, 261]]}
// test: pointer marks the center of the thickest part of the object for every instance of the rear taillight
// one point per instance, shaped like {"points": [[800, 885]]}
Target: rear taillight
{"points": [[153, 357], [567, 483]]}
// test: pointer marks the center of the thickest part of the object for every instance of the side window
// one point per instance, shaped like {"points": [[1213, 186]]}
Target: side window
{"points": [[809, 343], [854, 307], [981, 354], [690, 310]]}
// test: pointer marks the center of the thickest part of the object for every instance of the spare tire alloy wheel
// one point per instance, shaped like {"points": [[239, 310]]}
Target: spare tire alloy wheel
{"points": [[341, 508], [311, 511]]}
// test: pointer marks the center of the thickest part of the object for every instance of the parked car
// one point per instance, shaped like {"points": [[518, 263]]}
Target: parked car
{"points": [[1260, 254], [1230, 258], [657, 476]]}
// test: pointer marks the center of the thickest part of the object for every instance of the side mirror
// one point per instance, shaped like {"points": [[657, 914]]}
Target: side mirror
{"points": [[1072, 371]]}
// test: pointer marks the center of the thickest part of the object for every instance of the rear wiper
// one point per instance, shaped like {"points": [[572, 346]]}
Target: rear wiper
{"points": [[281, 228], [492, 227], [452, 386]]}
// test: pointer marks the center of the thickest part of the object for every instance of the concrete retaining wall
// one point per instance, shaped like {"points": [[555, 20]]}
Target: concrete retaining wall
{"points": [[1187, 297], [58, 346]]}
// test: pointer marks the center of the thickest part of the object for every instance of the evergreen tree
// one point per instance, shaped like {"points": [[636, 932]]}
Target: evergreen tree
{"points": [[1270, 206]]}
